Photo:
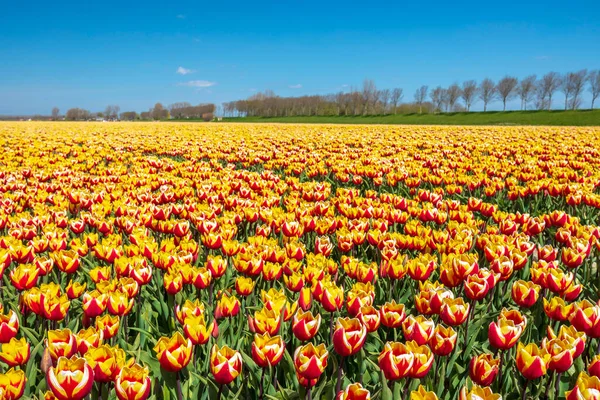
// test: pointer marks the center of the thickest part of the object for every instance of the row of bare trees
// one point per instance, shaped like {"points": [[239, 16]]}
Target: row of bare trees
{"points": [[368, 100], [182, 110]]}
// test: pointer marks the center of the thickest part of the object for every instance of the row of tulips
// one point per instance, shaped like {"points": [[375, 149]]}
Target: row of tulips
{"points": [[328, 266]]}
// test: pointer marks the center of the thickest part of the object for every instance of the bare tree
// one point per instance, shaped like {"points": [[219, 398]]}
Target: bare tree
{"points": [[445, 99], [469, 90], [506, 89], [369, 95], [453, 93], [437, 98], [420, 96], [487, 92], [525, 90], [579, 79], [384, 98], [396, 97], [594, 79], [55, 113], [566, 87], [540, 96], [549, 85]]}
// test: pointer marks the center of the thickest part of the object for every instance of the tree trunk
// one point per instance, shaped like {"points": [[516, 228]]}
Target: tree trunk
{"points": [[566, 99], [504, 104]]}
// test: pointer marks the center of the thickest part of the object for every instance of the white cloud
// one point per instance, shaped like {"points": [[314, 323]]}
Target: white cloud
{"points": [[184, 71], [542, 58], [297, 86], [198, 84], [180, 16]]}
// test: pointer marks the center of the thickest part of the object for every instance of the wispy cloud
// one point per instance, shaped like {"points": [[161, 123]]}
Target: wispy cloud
{"points": [[542, 57], [197, 84], [297, 86], [184, 71], [180, 16]]}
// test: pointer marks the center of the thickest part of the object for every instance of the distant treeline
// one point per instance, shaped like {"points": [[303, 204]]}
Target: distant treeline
{"points": [[181, 110], [368, 100]]}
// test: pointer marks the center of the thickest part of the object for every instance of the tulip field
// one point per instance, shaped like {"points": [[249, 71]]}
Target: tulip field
{"points": [[239, 261]]}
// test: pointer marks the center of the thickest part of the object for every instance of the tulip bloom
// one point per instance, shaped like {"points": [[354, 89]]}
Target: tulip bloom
{"points": [[189, 308], [422, 394], [418, 329], [94, 303], [109, 325], [244, 286], [392, 314], [16, 352], [332, 297], [349, 336], [24, 276], [195, 329], [61, 343], [104, 363], [561, 354], [266, 350], [173, 353], [505, 333], [305, 326], [557, 309], [586, 387], [310, 361], [478, 393], [268, 321], [586, 318], [396, 361], [88, 338], [75, 289], [227, 306], [225, 364], [532, 361], [71, 379], [354, 391], [370, 318], [12, 384], [571, 335], [443, 340], [9, 326], [593, 367], [133, 383], [483, 369], [423, 359], [525, 294], [454, 311]]}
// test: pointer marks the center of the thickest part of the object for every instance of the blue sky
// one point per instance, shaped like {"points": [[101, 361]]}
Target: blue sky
{"points": [[90, 54]]}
